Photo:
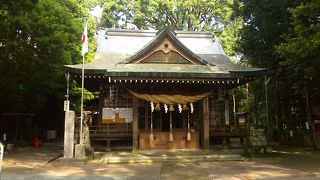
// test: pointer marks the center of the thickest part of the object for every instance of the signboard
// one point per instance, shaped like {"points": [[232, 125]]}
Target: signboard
{"points": [[117, 115], [66, 105]]}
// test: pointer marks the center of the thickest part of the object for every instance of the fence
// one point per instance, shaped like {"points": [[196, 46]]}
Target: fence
{"points": [[1, 155]]}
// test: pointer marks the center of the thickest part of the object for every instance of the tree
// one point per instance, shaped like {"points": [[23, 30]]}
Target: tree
{"points": [[37, 38], [283, 36], [113, 11], [264, 24], [301, 49], [302, 46], [180, 15]]}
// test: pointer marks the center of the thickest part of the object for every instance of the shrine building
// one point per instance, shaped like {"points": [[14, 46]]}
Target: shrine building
{"points": [[161, 90]]}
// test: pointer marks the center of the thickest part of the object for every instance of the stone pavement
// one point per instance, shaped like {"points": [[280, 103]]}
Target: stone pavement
{"points": [[286, 163], [154, 156]]}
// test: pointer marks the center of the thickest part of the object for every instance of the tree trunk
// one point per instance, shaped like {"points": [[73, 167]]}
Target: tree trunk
{"points": [[308, 111], [277, 115]]}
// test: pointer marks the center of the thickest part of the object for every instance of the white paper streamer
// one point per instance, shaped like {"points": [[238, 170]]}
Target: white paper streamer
{"points": [[165, 108], [191, 107], [180, 108], [152, 106]]}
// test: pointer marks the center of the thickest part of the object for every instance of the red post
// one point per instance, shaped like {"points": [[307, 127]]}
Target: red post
{"points": [[36, 142]]}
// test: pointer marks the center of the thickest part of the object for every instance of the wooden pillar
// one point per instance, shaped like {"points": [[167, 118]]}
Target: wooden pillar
{"points": [[146, 117], [135, 132], [184, 119], [226, 121], [161, 120], [101, 105], [206, 112]]}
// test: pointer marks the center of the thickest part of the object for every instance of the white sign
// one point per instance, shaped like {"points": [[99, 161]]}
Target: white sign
{"points": [[291, 133], [66, 105], [125, 113]]}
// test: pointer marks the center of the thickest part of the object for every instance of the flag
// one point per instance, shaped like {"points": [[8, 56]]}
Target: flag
{"points": [[85, 40]]}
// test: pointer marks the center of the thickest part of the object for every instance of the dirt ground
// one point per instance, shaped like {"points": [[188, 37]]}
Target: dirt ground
{"points": [[282, 163]]}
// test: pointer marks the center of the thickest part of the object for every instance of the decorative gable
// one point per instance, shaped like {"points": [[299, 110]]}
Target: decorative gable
{"points": [[165, 49], [166, 53]]}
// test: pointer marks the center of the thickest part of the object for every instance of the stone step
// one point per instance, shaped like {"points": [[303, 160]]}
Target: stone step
{"points": [[112, 159]]}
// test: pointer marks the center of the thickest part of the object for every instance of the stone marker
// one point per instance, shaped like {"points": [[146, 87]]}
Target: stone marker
{"points": [[69, 135]]}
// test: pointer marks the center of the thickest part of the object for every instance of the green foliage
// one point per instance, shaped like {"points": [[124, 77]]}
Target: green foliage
{"points": [[302, 45], [113, 11], [180, 15], [75, 96], [230, 37], [284, 37], [265, 24], [37, 37]]}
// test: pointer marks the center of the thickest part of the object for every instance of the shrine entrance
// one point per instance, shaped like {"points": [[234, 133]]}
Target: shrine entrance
{"points": [[169, 130], [170, 119]]}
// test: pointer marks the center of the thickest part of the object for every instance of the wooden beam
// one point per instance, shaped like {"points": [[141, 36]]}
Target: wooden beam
{"points": [[135, 131], [206, 112]]}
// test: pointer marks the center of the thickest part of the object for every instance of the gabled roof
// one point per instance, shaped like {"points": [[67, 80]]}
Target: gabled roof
{"points": [[165, 38], [125, 53]]}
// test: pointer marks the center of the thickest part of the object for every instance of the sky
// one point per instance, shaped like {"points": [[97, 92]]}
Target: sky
{"points": [[96, 11]]}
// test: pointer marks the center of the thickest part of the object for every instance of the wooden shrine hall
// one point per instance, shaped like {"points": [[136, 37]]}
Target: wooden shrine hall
{"points": [[161, 90]]}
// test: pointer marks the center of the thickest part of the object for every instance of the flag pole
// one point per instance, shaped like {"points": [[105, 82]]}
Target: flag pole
{"points": [[84, 50], [82, 86]]}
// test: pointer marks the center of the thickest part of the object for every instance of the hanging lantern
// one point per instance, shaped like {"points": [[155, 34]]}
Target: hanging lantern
{"points": [[165, 108], [171, 108], [152, 106], [191, 107], [184, 107], [180, 108], [157, 108]]}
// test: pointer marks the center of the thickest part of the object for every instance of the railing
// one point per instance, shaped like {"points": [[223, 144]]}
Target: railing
{"points": [[122, 131], [1, 156]]}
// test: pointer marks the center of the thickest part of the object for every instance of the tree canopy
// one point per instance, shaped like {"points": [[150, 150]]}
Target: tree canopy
{"points": [[37, 37], [284, 37], [180, 15]]}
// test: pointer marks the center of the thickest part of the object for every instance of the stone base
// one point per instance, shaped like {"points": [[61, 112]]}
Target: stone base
{"points": [[83, 151], [80, 151]]}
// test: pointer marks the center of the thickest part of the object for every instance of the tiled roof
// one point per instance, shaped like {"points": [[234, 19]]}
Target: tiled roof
{"points": [[117, 47]]}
